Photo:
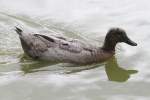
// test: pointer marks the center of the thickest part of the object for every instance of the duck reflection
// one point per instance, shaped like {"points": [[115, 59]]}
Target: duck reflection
{"points": [[113, 70], [34, 67], [28, 65], [117, 73]]}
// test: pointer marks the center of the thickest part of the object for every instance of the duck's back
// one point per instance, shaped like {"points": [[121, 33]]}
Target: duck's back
{"points": [[71, 50], [56, 49]]}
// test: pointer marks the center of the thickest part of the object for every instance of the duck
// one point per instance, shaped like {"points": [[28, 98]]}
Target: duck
{"points": [[67, 50]]}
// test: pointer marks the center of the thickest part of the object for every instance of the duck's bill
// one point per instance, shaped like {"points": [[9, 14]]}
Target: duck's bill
{"points": [[130, 42]]}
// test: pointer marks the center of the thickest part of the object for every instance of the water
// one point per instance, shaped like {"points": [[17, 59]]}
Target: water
{"points": [[125, 77]]}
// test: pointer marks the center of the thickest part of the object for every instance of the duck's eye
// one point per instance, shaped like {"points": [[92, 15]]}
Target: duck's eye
{"points": [[119, 35]]}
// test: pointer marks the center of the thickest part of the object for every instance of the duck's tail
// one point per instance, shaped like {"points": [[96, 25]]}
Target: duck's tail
{"points": [[18, 30]]}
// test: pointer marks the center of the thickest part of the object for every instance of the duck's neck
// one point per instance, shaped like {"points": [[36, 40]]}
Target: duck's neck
{"points": [[109, 45]]}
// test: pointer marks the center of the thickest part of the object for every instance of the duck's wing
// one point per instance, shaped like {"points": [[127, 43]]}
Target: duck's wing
{"points": [[67, 44], [70, 47], [75, 46], [42, 42]]}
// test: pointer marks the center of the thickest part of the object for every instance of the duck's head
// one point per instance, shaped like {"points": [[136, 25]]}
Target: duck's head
{"points": [[114, 36]]}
